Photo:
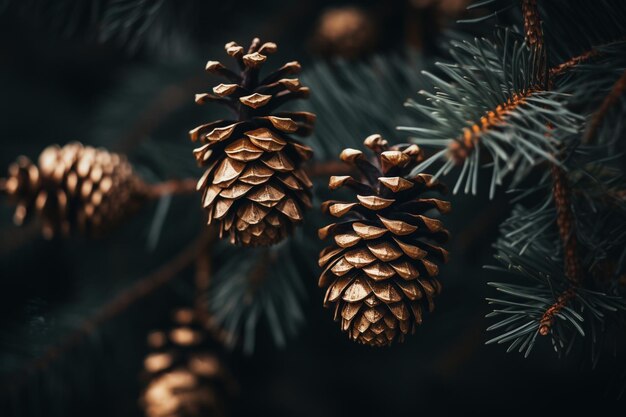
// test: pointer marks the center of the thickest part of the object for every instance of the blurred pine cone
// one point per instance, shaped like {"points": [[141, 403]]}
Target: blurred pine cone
{"points": [[73, 189], [347, 32], [381, 268], [254, 185], [183, 378]]}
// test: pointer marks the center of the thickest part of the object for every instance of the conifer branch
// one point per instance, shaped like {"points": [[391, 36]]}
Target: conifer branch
{"points": [[572, 62], [120, 303], [463, 146]]}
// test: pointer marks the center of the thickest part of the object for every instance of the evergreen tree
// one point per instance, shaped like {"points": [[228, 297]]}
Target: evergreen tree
{"points": [[519, 110]]}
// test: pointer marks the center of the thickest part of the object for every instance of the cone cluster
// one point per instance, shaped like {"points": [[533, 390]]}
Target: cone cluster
{"points": [[183, 377], [73, 189], [381, 266], [253, 185]]}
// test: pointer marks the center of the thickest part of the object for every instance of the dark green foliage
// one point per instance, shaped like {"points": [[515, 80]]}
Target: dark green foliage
{"points": [[161, 25], [552, 124], [260, 286], [521, 307], [353, 100], [484, 77], [261, 294]]}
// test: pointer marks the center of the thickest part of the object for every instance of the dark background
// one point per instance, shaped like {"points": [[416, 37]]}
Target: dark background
{"points": [[57, 88]]}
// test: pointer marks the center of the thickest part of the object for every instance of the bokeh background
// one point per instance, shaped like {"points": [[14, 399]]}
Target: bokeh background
{"points": [[65, 78]]}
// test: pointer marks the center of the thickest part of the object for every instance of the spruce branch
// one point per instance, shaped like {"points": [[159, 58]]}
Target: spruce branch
{"points": [[559, 305], [545, 304], [574, 61], [493, 97]]}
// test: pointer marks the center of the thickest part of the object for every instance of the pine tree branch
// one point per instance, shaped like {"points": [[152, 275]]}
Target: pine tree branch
{"points": [[572, 62], [138, 291], [462, 147], [609, 101], [560, 189]]}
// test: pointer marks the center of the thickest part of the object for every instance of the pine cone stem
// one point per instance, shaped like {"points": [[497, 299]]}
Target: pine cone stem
{"points": [[170, 187]]}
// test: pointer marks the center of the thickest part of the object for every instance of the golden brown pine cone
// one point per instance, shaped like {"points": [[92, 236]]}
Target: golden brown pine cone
{"points": [[254, 186], [73, 189], [380, 270], [183, 377]]}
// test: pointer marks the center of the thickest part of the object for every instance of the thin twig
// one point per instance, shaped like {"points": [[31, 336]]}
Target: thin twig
{"points": [[461, 147], [572, 62], [566, 224], [547, 320], [579, 59], [532, 23]]}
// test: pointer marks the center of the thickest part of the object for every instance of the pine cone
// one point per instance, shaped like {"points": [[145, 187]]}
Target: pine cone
{"points": [[73, 189], [381, 268], [184, 379], [253, 184]]}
